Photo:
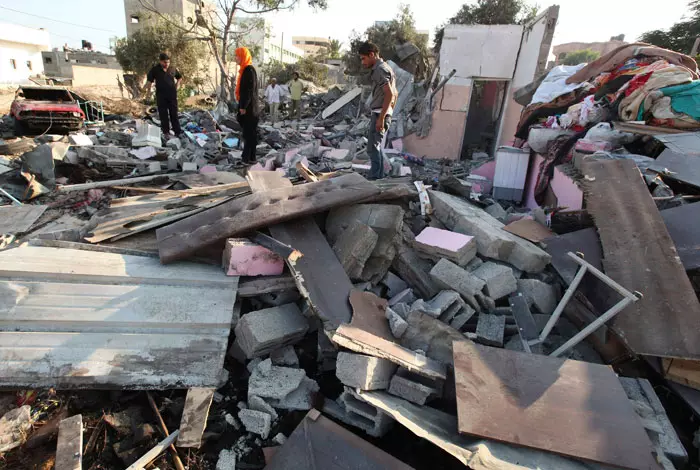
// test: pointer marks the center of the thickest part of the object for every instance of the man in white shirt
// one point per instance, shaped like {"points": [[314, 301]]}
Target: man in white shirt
{"points": [[272, 96]]}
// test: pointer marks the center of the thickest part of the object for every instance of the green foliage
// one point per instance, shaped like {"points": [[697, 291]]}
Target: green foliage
{"points": [[580, 57], [307, 69], [138, 53], [681, 36], [400, 30], [489, 12], [334, 49]]}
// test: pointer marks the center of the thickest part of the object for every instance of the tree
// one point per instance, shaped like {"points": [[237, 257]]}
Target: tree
{"points": [[216, 28], [681, 36], [334, 49], [138, 53], [489, 12], [307, 68], [580, 57], [400, 30]]}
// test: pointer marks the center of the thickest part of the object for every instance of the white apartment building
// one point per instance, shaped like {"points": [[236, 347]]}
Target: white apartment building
{"points": [[266, 45], [20, 52]]}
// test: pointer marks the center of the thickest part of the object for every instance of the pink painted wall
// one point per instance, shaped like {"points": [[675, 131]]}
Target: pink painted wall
{"points": [[511, 117], [487, 170], [568, 193], [447, 131]]}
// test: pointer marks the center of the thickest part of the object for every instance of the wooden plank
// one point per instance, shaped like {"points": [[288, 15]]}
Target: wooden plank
{"points": [[529, 230], [682, 371], [108, 360], [90, 247], [69, 450], [18, 219], [319, 275], [261, 181], [266, 285], [64, 307], [340, 102], [363, 342], [194, 416], [107, 184], [151, 455], [258, 210], [640, 255], [369, 314], [644, 129], [548, 403], [59, 264], [318, 443], [683, 224], [678, 166]]}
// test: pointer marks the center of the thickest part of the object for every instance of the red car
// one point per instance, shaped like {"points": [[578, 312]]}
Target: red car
{"points": [[38, 109]]}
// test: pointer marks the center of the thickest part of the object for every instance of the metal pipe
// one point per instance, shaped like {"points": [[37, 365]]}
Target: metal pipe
{"points": [[9, 196], [597, 273], [562, 304]]}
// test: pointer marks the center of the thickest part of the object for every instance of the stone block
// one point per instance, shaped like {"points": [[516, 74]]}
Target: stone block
{"points": [[261, 332], [243, 258], [413, 387], [256, 422], [492, 241], [437, 243], [450, 276], [490, 329], [354, 246], [364, 372], [394, 284], [543, 296], [499, 279], [397, 324], [424, 307]]}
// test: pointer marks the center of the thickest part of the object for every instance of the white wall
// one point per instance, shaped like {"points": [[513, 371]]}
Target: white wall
{"points": [[487, 51], [20, 53]]}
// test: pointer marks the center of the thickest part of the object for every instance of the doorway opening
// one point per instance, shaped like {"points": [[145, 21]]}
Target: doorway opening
{"points": [[485, 110]]}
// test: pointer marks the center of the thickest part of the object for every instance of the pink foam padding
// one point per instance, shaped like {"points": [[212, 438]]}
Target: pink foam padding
{"points": [[243, 258], [208, 169], [487, 170], [444, 239], [397, 144]]}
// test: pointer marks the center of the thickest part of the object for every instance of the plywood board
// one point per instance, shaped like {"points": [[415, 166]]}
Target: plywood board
{"points": [[683, 372], [568, 407], [640, 255], [69, 450], [529, 230], [683, 224], [18, 219], [681, 167], [258, 210], [340, 102], [582, 241], [194, 416]]}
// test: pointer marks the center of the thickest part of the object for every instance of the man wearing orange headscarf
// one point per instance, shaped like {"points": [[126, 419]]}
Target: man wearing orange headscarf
{"points": [[248, 106]]}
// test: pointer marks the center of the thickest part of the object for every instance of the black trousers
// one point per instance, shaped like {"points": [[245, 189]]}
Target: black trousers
{"points": [[250, 136], [167, 111]]}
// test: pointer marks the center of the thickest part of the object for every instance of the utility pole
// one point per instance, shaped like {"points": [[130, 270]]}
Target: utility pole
{"points": [[282, 49]]}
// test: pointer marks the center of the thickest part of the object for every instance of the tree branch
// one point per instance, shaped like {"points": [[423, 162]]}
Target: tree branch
{"points": [[278, 6]]}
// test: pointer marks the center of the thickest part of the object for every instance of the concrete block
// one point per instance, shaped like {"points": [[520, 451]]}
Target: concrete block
{"points": [[354, 247], [285, 356], [490, 329], [497, 212], [261, 332], [402, 309], [363, 415], [364, 372], [486, 303], [450, 276], [394, 284], [462, 317], [189, 166], [256, 422], [406, 296], [396, 323], [543, 296], [146, 135], [227, 460], [424, 307], [444, 300], [258, 404], [274, 384], [243, 258], [431, 336], [437, 243], [474, 264], [413, 387], [301, 399], [499, 279], [80, 140], [492, 241]]}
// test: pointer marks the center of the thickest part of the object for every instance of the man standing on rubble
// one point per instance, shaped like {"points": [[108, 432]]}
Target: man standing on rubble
{"points": [[168, 81], [295, 90], [383, 99], [272, 96]]}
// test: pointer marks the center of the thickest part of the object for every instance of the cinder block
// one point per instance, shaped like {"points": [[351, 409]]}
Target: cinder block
{"points": [[490, 329], [450, 276], [364, 372], [285, 356], [147, 134], [413, 388], [261, 332], [499, 279], [256, 422], [437, 243], [354, 246], [543, 296], [361, 414], [397, 324], [394, 284], [462, 317], [243, 258]]}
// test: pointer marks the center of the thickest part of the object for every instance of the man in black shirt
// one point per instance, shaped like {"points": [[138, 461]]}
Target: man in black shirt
{"points": [[167, 80]]}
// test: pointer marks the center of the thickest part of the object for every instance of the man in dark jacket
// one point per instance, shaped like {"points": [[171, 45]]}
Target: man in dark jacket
{"points": [[248, 103], [167, 80]]}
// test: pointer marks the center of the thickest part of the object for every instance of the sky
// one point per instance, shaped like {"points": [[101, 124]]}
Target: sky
{"points": [[69, 21]]}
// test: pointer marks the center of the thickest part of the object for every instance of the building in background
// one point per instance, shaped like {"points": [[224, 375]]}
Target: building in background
{"points": [[264, 43], [311, 44], [20, 52], [603, 48], [83, 68], [183, 10]]}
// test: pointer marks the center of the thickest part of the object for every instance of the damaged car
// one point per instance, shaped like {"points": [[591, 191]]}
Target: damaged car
{"points": [[38, 109]]}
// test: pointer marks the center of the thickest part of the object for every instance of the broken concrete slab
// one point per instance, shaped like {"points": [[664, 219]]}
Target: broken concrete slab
{"points": [[412, 268], [490, 329], [492, 241], [406, 296], [497, 212], [540, 294], [258, 404], [256, 422], [499, 279], [244, 258], [413, 387], [394, 284], [261, 332], [397, 324], [436, 243], [285, 356], [301, 399], [274, 382], [364, 372], [354, 247], [431, 336], [450, 276]]}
